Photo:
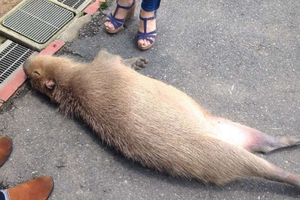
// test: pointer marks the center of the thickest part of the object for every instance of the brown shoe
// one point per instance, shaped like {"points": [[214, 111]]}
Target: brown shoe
{"points": [[36, 189], [5, 148]]}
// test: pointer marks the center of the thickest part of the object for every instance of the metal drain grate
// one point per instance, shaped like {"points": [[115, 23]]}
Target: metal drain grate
{"points": [[72, 3], [38, 20], [12, 56]]}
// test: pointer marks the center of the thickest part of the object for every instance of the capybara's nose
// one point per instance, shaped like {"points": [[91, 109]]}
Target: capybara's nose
{"points": [[26, 64]]}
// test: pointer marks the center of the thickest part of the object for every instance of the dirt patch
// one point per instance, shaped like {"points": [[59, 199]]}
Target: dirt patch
{"points": [[7, 5], [92, 28]]}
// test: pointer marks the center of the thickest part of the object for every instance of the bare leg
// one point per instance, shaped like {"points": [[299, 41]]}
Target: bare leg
{"points": [[249, 138]]}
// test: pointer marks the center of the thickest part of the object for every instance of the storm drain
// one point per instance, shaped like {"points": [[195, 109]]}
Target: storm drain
{"points": [[72, 3], [38, 20], [12, 56]]}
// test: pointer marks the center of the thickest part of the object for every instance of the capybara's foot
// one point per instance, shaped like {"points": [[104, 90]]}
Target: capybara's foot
{"points": [[136, 63], [36, 189], [286, 177], [5, 148]]}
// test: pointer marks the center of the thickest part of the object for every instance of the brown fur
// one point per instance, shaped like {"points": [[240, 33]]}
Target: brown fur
{"points": [[147, 120]]}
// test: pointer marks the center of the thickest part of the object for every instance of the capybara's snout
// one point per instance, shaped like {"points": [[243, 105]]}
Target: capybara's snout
{"points": [[27, 64]]}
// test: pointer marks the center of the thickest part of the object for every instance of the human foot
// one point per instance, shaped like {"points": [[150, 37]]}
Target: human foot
{"points": [[124, 10], [147, 29]]}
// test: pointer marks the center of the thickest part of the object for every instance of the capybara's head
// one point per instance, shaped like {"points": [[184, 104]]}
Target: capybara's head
{"points": [[41, 70]]}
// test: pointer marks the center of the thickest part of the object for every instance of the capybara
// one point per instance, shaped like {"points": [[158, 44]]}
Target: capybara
{"points": [[154, 123]]}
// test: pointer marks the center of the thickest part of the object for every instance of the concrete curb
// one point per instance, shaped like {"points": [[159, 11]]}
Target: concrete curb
{"points": [[72, 32]]}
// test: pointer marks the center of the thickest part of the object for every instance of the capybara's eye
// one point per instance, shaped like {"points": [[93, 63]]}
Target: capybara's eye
{"points": [[36, 72]]}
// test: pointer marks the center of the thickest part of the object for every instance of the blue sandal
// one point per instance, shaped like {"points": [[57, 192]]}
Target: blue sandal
{"points": [[145, 35], [119, 23]]}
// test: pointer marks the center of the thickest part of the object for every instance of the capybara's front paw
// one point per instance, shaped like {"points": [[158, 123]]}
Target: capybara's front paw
{"points": [[139, 63], [136, 63]]}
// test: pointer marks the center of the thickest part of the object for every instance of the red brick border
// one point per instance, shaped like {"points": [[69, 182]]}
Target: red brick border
{"points": [[52, 48], [12, 85], [9, 89], [92, 8]]}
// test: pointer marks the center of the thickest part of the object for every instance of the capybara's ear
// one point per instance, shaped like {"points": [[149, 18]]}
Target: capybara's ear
{"points": [[50, 84]]}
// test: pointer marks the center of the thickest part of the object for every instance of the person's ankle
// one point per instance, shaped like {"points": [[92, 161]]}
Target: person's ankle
{"points": [[146, 14], [125, 2]]}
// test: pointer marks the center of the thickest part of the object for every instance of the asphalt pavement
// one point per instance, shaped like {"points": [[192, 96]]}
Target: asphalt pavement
{"points": [[238, 59]]}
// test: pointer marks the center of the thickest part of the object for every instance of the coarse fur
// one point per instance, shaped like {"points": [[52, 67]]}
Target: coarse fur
{"points": [[154, 123]]}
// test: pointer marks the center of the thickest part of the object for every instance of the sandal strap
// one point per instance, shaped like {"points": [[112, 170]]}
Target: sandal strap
{"points": [[146, 36], [146, 19], [118, 22], [115, 22], [149, 18]]}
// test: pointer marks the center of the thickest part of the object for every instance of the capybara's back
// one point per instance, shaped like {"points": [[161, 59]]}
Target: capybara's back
{"points": [[154, 123]]}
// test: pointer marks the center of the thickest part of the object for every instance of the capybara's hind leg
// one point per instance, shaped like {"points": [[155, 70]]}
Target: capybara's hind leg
{"points": [[250, 139], [272, 173], [283, 176], [228, 162]]}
